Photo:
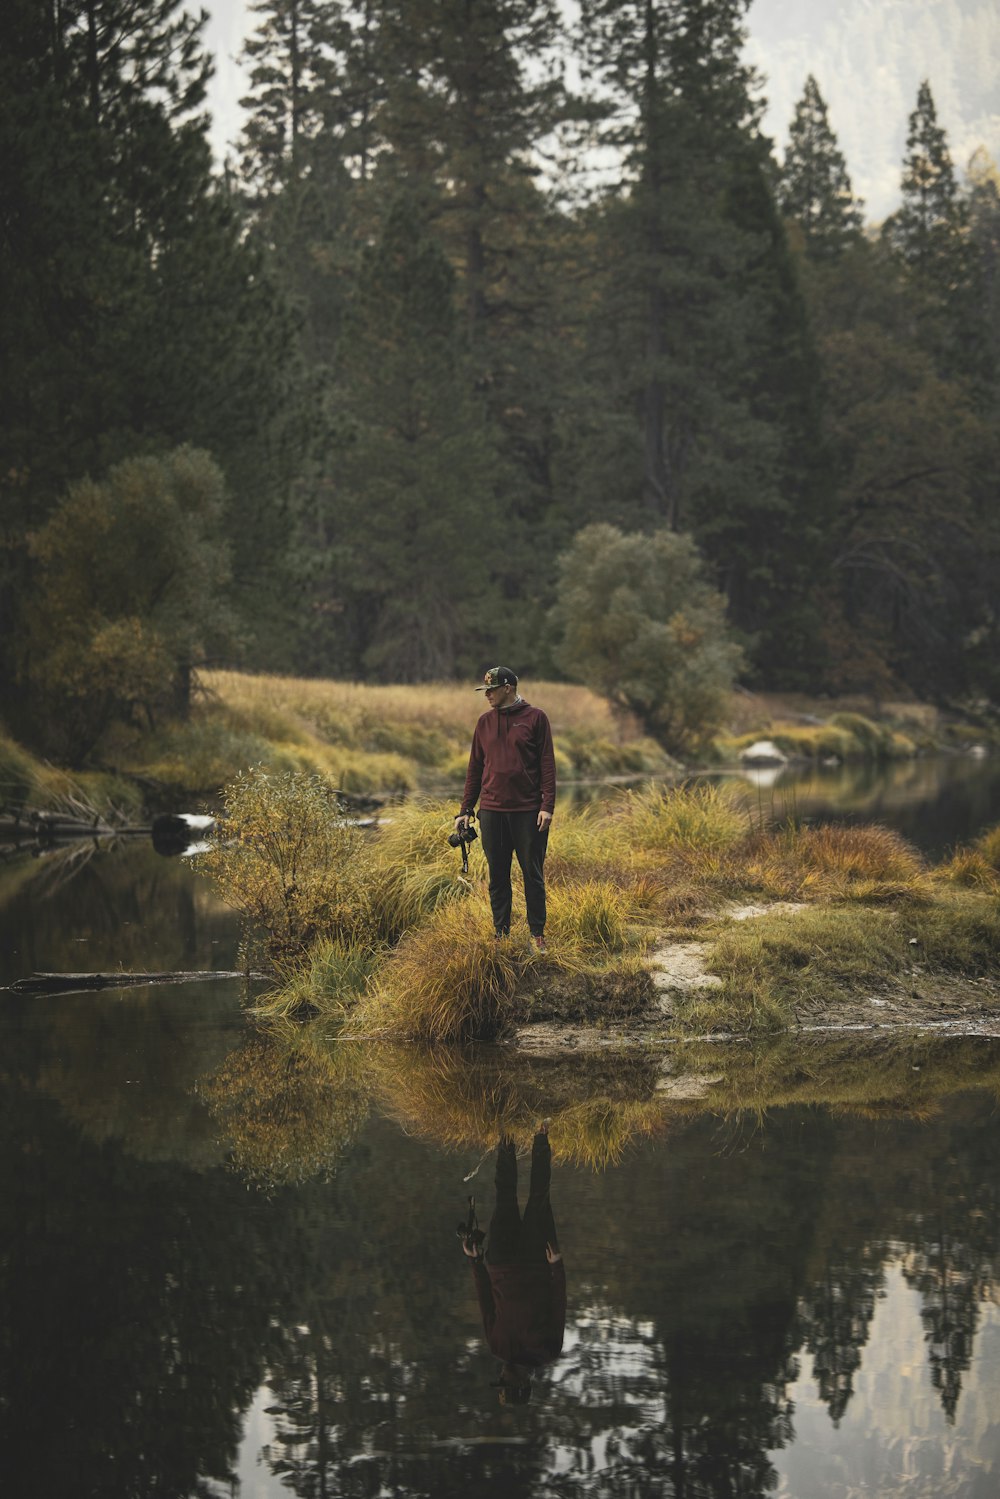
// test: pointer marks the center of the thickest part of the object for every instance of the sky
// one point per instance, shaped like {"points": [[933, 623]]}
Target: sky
{"points": [[868, 57]]}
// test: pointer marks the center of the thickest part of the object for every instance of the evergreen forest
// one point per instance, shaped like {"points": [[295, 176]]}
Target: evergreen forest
{"points": [[480, 277]]}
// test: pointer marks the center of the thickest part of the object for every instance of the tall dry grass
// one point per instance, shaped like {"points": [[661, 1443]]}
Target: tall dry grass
{"points": [[354, 708], [826, 862], [449, 980]]}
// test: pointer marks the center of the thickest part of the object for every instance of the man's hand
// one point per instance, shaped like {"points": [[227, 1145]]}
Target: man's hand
{"points": [[552, 1255], [474, 1252], [544, 818], [461, 822]]}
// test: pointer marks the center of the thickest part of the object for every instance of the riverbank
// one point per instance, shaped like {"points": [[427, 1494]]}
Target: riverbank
{"points": [[673, 912], [386, 741]]}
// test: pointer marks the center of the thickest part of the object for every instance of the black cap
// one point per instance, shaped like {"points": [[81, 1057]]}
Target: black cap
{"points": [[498, 676]]}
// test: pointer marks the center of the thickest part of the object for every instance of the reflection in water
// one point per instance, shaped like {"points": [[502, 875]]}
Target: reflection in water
{"points": [[288, 1109], [746, 1268], [934, 801], [520, 1276], [91, 908]]}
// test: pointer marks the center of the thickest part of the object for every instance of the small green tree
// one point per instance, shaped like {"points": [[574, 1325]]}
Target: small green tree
{"points": [[128, 598], [636, 618], [291, 866]]}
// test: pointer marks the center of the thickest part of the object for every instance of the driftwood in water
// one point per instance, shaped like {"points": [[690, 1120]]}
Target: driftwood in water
{"points": [[72, 983], [53, 827]]}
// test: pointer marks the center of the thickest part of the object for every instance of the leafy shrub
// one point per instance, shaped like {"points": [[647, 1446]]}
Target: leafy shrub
{"points": [[635, 616], [291, 865], [128, 599]]}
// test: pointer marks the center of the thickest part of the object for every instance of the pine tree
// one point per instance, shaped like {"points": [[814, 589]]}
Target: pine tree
{"points": [[981, 203], [404, 524], [698, 325], [681, 98], [475, 92], [814, 185], [136, 317], [927, 230]]}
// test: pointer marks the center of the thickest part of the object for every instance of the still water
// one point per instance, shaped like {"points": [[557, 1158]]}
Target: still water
{"points": [[935, 802], [229, 1264]]}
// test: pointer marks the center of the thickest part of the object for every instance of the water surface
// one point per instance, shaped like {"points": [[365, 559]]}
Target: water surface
{"points": [[258, 1288], [228, 1263]]}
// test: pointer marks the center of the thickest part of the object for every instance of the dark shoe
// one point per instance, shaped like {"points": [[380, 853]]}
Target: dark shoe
{"points": [[501, 936], [540, 943]]}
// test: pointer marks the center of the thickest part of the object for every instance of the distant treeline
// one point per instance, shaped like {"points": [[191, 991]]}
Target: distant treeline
{"points": [[446, 311]]}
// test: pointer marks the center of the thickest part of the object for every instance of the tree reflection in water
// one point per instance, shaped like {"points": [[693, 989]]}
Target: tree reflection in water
{"points": [[724, 1247]]}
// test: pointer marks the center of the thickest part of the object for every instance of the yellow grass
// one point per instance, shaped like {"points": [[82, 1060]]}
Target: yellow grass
{"points": [[366, 739], [350, 712], [827, 862], [989, 846], [707, 818], [448, 980]]}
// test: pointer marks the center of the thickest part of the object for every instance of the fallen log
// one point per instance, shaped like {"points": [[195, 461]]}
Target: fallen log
{"points": [[72, 983]]}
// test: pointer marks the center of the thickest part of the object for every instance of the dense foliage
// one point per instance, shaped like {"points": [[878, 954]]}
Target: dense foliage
{"points": [[635, 619], [444, 314]]}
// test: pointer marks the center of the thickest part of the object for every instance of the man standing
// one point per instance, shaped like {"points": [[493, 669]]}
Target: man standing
{"points": [[512, 774]]}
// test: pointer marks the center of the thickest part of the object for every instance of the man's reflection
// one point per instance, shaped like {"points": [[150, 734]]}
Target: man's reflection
{"points": [[520, 1281]]}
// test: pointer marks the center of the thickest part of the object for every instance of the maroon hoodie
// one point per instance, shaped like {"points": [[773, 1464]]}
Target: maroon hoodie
{"points": [[512, 767]]}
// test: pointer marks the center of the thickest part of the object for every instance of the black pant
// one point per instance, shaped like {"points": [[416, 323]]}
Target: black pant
{"points": [[514, 1239], [505, 834]]}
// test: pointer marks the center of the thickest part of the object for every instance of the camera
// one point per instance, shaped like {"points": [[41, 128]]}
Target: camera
{"points": [[467, 834]]}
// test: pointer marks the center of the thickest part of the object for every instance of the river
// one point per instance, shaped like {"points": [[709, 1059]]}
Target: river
{"points": [[230, 1264]]}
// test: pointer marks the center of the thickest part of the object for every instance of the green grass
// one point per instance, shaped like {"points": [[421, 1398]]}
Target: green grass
{"points": [[404, 947], [779, 969]]}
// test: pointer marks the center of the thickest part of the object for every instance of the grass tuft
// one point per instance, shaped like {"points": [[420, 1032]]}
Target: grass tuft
{"points": [[449, 980], [971, 869], [330, 982], [705, 817], [989, 846]]}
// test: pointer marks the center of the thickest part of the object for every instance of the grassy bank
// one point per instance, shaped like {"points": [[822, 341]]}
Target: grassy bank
{"points": [[804, 728], [364, 740], [369, 739], [384, 741], [781, 925]]}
